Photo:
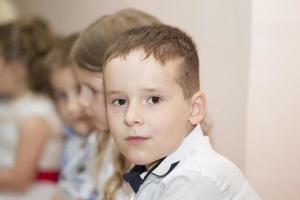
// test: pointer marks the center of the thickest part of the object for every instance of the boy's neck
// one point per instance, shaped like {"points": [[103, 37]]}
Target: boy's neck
{"points": [[149, 166], [190, 128]]}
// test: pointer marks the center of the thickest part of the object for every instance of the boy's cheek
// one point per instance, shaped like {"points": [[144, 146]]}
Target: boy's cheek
{"points": [[115, 117]]}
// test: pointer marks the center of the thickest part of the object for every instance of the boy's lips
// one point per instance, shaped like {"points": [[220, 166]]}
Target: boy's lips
{"points": [[136, 139]]}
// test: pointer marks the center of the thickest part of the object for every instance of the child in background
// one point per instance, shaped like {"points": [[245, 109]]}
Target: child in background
{"points": [[30, 130], [154, 108], [89, 52], [79, 142]]}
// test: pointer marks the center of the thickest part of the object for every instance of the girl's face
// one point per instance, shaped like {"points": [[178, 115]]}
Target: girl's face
{"points": [[66, 93], [92, 97], [9, 77]]}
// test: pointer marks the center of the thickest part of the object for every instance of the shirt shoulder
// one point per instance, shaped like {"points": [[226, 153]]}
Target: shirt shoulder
{"points": [[209, 175]]}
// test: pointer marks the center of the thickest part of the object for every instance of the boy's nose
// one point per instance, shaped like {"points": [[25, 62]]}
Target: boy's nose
{"points": [[133, 115]]}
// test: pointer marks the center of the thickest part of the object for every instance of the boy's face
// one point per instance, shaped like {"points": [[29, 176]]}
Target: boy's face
{"points": [[66, 90], [92, 97], [147, 113]]}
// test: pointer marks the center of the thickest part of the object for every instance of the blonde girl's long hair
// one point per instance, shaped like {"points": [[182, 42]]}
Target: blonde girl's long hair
{"points": [[92, 44]]}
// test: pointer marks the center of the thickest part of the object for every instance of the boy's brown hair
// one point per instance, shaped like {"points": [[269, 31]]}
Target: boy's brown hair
{"points": [[165, 43]]}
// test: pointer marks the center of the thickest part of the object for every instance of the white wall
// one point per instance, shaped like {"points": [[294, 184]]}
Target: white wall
{"points": [[273, 125], [224, 55]]}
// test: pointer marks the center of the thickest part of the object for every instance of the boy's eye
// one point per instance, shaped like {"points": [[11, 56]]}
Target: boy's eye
{"points": [[154, 100], [119, 102]]}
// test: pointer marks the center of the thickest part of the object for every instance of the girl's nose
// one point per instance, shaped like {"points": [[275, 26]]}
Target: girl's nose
{"points": [[73, 106]]}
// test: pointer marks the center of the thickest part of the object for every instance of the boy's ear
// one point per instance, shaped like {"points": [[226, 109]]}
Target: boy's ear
{"points": [[198, 103]]}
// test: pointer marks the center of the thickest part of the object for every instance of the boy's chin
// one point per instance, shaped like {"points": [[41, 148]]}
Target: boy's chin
{"points": [[137, 161], [141, 161]]}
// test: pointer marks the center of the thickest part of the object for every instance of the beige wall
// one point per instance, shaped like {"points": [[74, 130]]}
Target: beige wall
{"points": [[273, 125], [8, 11]]}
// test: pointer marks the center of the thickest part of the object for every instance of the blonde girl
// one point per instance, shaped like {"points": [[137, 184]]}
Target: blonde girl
{"points": [[88, 52]]}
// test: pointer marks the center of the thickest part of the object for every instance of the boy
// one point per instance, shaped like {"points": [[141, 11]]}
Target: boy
{"points": [[155, 109]]}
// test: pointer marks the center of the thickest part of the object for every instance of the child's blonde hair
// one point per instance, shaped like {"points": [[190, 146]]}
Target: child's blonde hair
{"points": [[90, 48], [59, 58], [89, 52]]}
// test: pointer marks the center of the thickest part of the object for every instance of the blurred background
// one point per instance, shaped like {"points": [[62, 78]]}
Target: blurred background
{"points": [[250, 71]]}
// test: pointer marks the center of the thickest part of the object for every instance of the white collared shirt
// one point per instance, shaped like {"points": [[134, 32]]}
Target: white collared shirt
{"points": [[201, 174]]}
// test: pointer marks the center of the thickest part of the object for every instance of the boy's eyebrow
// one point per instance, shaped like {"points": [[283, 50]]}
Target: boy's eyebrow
{"points": [[154, 89], [112, 92]]}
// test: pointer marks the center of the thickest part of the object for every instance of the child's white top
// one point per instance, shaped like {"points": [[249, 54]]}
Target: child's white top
{"points": [[11, 115], [81, 178], [74, 174], [193, 172]]}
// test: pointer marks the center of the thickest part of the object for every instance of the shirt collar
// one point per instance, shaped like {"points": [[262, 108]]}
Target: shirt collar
{"points": [[133, 177], [166, 164]]}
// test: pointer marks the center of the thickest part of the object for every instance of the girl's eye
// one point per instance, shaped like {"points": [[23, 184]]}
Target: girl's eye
{"points": [[78, 89], [119, 102], [90, 90], [61, 96], [94, 91], [154, 100]]}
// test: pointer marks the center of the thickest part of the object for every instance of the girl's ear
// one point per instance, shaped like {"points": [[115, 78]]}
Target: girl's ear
{"points": [[198, 103]]}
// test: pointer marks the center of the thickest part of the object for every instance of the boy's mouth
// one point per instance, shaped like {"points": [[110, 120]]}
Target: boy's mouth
{"points": [[136, 139]]}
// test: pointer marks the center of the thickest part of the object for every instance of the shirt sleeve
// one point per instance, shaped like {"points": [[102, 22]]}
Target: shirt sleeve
{"points": [[195, 186]]}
